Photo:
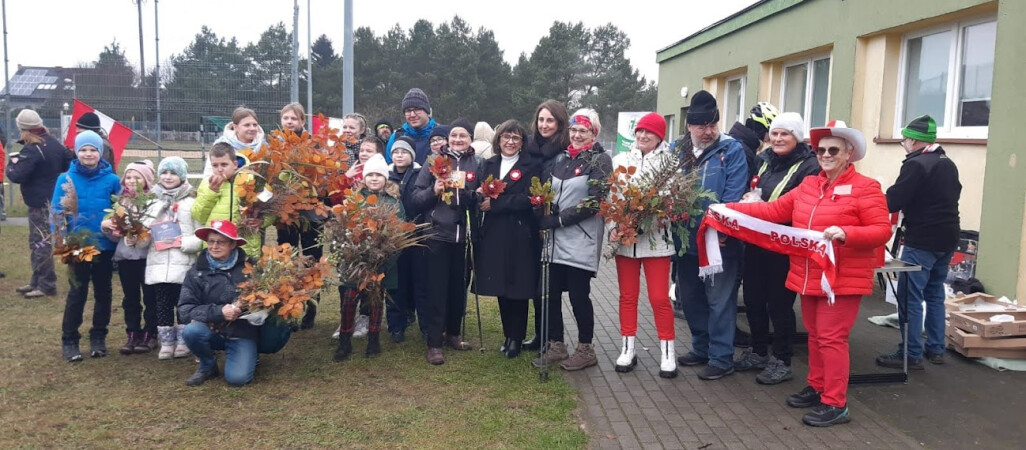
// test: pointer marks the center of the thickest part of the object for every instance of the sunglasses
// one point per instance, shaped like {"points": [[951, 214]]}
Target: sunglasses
{"points": [[820, 151]]}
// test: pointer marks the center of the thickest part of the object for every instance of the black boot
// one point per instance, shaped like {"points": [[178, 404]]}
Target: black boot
{"points": [[505, 345], [97, 346], [513, 349], [533, 344], [308, 318], [345, 347], [373, 345], [199, 376]]}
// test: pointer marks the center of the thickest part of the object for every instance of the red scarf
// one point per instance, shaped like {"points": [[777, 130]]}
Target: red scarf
{"points": [[573, 151], [777, 238]]}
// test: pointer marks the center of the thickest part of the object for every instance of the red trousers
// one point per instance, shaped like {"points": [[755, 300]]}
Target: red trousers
{"points": [[829, 327], [657, 277]]}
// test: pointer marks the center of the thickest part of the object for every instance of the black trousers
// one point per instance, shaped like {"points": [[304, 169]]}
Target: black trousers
{"points": [[767, 301], [447, 290], [577, 282], [514, 318], [99, 271], [411, 297], [167, 303], [140, 298]]}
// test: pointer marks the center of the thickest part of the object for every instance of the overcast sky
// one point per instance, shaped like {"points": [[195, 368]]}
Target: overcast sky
{"points": [[71, 32]]}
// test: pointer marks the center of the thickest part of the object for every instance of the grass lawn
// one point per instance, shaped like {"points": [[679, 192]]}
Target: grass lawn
{"points": [[300, 397]]}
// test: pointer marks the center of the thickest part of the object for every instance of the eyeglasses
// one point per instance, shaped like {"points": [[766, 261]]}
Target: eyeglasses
{"points": [[437, 139], [820, 151], [511, 138], [701, 129], [579, 131], [409, 111], [217, 242]]}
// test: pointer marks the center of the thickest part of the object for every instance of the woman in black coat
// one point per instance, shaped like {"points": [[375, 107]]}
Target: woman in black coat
{"points": [[549, 138], [507, 253]]}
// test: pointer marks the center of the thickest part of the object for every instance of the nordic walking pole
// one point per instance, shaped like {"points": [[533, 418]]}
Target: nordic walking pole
{"points": [[543, 334], [477, 299]]}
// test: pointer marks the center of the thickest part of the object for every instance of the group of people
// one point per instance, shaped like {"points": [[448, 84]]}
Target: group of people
{"points": [[180, 281]]}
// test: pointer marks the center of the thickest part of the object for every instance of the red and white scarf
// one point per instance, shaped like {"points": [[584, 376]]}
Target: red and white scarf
{"points": [[777, 238]]}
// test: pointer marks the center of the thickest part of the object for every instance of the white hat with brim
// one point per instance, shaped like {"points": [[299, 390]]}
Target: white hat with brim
{"points": [[838, 128]]}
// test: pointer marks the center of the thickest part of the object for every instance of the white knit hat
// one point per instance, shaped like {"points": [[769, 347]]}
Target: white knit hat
{"points": [[376, 164], [792, 123]]}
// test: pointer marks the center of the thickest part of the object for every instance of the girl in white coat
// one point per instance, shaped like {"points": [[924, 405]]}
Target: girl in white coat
{"points": [[172, 251], [652, 251]]}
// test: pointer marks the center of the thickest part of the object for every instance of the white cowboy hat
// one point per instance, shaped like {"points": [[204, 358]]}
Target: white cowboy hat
{"points": [[839, 129]]}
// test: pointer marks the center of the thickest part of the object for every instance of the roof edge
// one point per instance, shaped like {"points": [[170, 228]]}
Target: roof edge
{"points": [[734, 22]]}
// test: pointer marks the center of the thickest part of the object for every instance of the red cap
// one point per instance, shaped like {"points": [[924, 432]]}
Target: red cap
{"points": [[653, 122]]}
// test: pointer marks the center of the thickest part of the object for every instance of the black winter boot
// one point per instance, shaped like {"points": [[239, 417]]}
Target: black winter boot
{"points": [[308, 318], [345, 347], [373, 345]]}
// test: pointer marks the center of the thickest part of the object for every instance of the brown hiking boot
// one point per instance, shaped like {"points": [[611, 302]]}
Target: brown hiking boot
{"points": [[555, 353], [584, 357], [435, 357], [456, 343]]}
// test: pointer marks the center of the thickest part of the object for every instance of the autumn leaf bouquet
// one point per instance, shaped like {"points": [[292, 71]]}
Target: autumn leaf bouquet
{"points": [[287, 179], [492, 188], [441, 168], [281, 282], [128, 212], [663, 196], [361, 238], [542, 194], [76, 247]]}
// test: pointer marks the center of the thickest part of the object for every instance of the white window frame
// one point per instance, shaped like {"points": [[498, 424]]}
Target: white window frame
{"points": [[726, 99], [671, 127], [947, 130], [809, 84]]}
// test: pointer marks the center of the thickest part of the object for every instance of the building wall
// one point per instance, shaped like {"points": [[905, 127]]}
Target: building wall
{"points": [[864, 40]]}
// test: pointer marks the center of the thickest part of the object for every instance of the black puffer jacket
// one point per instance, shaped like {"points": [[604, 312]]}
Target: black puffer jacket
{"points": [[37, 168], [205, 291], [928, 190], [777, 170], [543, 150], [448, 220], [406, 182]]}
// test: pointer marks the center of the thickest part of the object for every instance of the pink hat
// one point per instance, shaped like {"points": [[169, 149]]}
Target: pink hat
{"points": [[838, 128], [143, 168]]}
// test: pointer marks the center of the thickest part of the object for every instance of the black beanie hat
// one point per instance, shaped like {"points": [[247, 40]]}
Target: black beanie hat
{"points": [[383, 121], [703, 109], [439, 130], [416, 99], [89, 121], [463, 123]]}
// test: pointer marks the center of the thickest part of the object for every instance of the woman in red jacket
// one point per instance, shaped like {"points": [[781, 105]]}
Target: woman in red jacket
{"points": [[850, 210]]}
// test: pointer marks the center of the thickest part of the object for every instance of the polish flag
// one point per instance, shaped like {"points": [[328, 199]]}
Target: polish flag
{"points": [[117, 134], [331, 122]]}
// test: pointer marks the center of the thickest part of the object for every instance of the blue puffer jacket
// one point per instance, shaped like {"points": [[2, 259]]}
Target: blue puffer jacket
{"points": [[722, 169], [421, 141], [94, 188]]}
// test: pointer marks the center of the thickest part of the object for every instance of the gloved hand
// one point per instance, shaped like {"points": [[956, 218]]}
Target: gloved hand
{"points": [[548, 222]]}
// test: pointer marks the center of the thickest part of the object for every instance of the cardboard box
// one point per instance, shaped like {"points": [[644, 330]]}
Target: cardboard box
{"points": [[959, 303], [979, 323], [1003, 353], [968, 340]]}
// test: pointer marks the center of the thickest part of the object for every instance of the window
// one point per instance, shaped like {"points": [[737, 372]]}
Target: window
{"points": [[733, 104], [806, 89], [670, 128], [948, 74]]}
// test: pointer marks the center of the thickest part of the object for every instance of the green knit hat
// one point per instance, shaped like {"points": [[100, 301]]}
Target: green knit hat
{"points": [[922, 128]]}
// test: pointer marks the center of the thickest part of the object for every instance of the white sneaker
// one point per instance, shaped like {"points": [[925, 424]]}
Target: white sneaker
{"points": [[673, 292], [362, 326], [337, 332]]}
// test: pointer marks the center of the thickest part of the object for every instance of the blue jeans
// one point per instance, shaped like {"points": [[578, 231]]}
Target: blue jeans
{"points": [[240, 354], [925, 285], [710, 306]]}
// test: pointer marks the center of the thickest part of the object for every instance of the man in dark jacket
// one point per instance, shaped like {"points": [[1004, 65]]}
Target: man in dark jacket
{"points": [[206, 305], [418, 125], [927, 192], [710, 304], [36, 167]]}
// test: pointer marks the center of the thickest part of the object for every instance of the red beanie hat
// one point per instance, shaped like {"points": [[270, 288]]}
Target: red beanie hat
{"points": [[653, 122]]}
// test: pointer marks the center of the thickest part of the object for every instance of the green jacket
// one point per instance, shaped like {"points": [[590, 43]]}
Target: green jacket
{"points": [[224, 205]]}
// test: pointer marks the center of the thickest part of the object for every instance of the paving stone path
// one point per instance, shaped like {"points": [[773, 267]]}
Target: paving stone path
{"points": [[641, 410]]}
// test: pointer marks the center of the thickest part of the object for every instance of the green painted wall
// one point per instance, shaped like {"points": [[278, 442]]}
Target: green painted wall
{"points": [[1004, 186], [799, 26]]}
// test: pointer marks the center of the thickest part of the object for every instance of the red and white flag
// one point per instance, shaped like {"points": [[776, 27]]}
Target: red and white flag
{"points": [[117, 134], [331, 122], [783, 239]]}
